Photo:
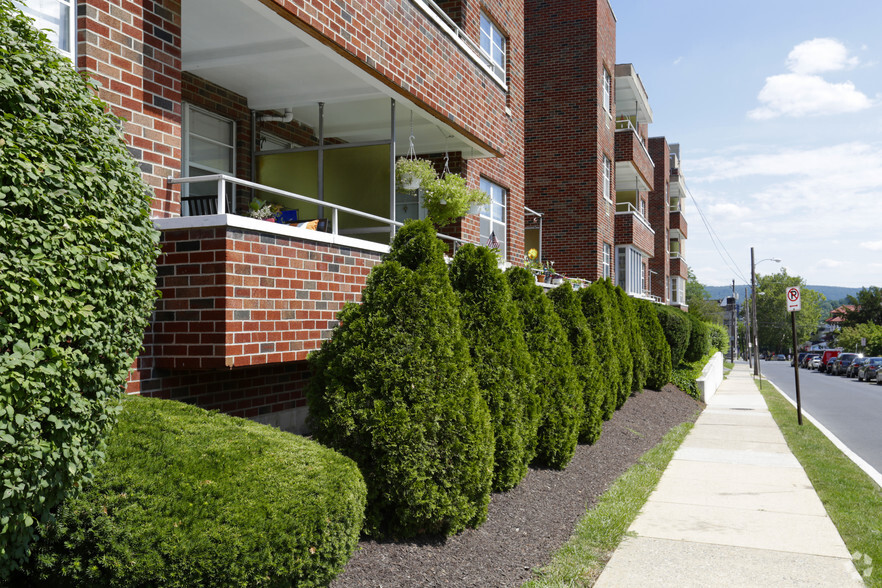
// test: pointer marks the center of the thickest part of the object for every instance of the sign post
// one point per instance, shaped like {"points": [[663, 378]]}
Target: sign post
{"points": [[794, 304]]}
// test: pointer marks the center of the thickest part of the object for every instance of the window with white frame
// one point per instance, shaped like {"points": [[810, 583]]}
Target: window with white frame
{"points": [[57, 18], [208, 148], [607, 178], [678, 290], [493, 45], [630, 270], [607, 255], [607, 91], [493, 215]]}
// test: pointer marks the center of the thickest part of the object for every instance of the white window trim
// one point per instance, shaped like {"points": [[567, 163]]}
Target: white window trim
{"points": [[607, 255], [631, 278], [487, 214], [607, 178], [606, 86], [71, 24], [499, 67], [186, 164]]}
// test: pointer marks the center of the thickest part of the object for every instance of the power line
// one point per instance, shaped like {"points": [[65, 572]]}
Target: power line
{"points": [[716, 239]]}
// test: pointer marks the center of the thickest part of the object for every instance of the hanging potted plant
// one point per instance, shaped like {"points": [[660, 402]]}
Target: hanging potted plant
{"points": [[411, 173], [449, 198]]}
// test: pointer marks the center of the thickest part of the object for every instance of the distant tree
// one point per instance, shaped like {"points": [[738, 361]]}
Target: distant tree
{"points": [[850, 338], [700, 303], [773, 320], [867, 307]]}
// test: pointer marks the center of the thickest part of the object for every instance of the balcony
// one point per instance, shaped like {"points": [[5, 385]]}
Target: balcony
{"points": [[632, 228], [631, 96], [634, 167], [678, 222], [239, 291]]}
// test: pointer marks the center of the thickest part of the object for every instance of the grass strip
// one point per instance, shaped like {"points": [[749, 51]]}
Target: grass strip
{"points": [[581, 559], [852, 499]]}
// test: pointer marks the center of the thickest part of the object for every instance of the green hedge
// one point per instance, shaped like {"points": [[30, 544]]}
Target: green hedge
{"points": [[677, 329], [192, 498], [699, 339], [719, 337], [394, 390], [596, 388], [659, 367], [621, 340], [492, 326], [77, 266], [685, 375], [598, 310], [556, 378], [636, 344]]}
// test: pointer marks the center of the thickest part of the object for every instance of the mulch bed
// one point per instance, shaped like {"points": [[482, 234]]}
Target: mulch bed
{"points": [[528, 524]]}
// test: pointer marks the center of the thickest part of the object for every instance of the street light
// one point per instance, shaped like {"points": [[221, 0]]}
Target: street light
{"points": [[754, 335]]}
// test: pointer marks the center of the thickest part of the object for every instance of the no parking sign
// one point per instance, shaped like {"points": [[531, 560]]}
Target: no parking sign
{"points": [[794, 300]]}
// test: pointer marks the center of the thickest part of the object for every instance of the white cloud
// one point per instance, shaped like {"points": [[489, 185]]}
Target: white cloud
{"points": [[804, 93], [872, 245], [678, 60], [818, 56], [830, 263], [800, 95]]}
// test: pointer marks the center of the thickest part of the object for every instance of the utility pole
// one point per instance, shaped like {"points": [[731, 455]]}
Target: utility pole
{"points": [[753, 336], [733, 327], [747, 323]]}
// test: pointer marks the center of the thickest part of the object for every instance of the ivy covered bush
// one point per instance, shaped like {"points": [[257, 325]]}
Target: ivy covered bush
{"points": [[596, 387], [192, 498], [597, 308], [658, 372], [677, 328], [77, 260], [493, 328], [394, 390], [557, 384]]}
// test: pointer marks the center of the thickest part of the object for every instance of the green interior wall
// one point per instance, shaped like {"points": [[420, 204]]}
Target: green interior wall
{"points": [[292, 172]]}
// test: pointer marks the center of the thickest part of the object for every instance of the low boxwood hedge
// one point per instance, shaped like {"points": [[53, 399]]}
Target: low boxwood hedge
{"points": [[195, 498], [677, 329]]}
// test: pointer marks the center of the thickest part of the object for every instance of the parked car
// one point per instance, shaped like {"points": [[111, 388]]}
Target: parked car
{"points": [[852, 370], [869, 368], [827, 368], [807, 361], [814, 362], [842, 361], [779, 357], [826, 357], [879, 377]]}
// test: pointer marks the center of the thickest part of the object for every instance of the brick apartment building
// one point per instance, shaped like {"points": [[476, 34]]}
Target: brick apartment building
{"points": [[589, 166], [307, 104], [314, 98]]}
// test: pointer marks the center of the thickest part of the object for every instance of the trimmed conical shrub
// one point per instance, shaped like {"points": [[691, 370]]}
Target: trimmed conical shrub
{"points": [[556, 382], [659, 367], [394, 390], [492, 326], [639, 356], [597, 308], [677, 329], [596, 387], [699, 339], [621, 342]]}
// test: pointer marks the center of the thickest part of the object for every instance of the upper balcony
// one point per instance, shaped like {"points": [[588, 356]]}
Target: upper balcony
{"points": [[678, 221], [288, 57], [632, 228], [634, 168], [631, 97]]}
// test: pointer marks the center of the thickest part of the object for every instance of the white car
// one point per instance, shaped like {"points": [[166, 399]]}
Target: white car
{"points": [[815, 362]]}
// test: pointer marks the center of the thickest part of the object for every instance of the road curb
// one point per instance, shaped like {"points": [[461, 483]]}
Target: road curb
{"points": [[858, 460]]}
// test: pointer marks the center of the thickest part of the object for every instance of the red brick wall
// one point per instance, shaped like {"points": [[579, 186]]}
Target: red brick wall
{"points": [[659, 218], [631, 231], [133, 51], [567, 131], [629, 148]]}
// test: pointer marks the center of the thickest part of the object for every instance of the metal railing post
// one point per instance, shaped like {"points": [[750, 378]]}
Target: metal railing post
{"points": [[221, 196]]}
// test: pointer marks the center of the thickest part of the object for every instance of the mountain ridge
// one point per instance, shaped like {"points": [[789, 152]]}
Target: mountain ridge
{"points": [[829, 292]]}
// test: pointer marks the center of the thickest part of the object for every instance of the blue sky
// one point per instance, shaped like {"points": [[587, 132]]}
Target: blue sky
{"points": [[777, 107]]}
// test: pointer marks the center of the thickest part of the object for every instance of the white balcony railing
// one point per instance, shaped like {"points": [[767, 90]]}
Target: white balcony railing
{"points": [[628, 208], [222, 182]]}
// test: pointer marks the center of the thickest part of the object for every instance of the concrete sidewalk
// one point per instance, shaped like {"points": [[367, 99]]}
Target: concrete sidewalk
{"points": [[733, 508]]}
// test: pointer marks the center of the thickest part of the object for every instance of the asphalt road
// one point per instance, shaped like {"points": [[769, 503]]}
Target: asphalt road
{"points": [[851, 410]]}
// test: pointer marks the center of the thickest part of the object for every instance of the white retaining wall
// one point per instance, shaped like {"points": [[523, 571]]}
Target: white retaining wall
{"points": [[711, 377]]}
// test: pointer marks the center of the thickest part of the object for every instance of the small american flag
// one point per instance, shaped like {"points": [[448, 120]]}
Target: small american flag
{"points": [[492, 242]]}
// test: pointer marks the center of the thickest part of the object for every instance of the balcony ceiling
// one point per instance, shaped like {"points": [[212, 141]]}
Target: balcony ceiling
{"points": [[677, 188], [628, 178], [631, 95], [246, 47]]}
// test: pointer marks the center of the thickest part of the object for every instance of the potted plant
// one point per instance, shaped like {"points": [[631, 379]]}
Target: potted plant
{"points": [[449, 198], [411, 174], [263, 210]]}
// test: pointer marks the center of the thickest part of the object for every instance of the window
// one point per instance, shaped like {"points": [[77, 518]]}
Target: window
{"points": [[630, 270], [493, 45], [209, 148], [607, 254], [607, 92], [607, 178], [493, 215], [58, 16], [678, 290]]}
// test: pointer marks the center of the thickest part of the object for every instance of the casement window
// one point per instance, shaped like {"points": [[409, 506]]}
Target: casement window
{"points": [[678, 290], [209, 147], [493, 215], [493, 46], [607, 91], [57, 18], [607, 178], [607, 255]]}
